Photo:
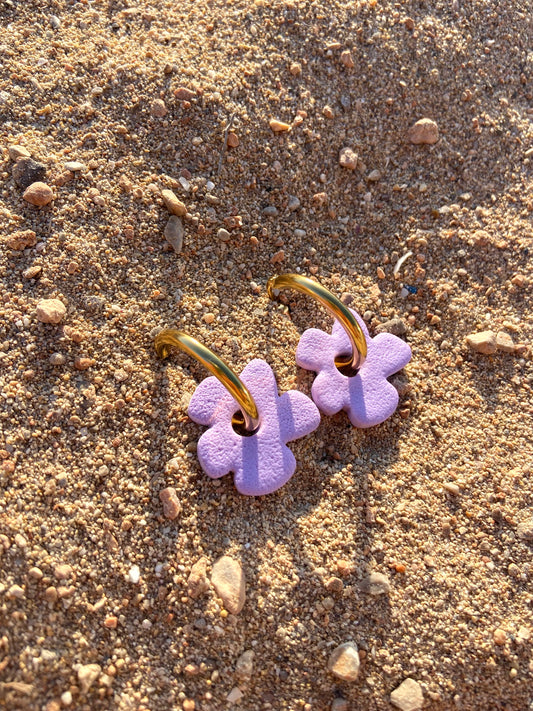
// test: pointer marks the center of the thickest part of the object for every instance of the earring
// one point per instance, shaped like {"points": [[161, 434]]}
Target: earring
{"points": [[352, 368], [249, 423]]}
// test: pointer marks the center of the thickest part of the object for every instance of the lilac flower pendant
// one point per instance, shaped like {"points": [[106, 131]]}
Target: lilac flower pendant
{"points": [[261, 462], [367, 397]]}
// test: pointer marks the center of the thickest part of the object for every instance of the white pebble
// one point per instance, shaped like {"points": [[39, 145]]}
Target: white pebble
{"points": [[134, 575]]}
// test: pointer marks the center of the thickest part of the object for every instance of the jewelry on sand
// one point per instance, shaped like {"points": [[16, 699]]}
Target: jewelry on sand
{"points": [[362, 390], [252, 441]]}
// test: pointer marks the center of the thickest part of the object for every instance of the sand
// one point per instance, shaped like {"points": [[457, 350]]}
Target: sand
{"points": [[116, 102]]}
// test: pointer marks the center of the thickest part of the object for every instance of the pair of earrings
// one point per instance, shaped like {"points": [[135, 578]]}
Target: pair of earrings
{"points": [[250, 424]]}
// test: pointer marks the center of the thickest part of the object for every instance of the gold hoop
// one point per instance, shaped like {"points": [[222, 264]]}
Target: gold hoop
{"points": [[335, 307], [249, 415]]}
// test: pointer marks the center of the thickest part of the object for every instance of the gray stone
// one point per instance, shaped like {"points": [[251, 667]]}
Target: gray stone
{"points": [[375, 584], [174, 233], [395, 326], [270, 211], [27, 171], [293, 203]]}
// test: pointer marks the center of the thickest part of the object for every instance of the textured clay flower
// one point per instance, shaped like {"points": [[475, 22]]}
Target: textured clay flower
{"points": [[261, 462], [367, 397]]}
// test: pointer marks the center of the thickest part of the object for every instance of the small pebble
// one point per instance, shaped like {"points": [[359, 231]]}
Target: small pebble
{"points": [[395, 326], [228, 580], [27, 171], [134, 574], [158, 108], [66, 698], [173, 205], [75, 166], [504, 342], [234, 696], [21, 239], [299, 234], [347, 59], [293, 203], [483, 342], [233, 140], [408, 696], [344, 662], [451, 488], [15, 152], [223, 235], [184, 94], [339, 705], [87, 675], [499, 636], [348, 158], [374, 176], [50, 311], [245, 665], [328, 112], [57, 359], [524, 530], [81, 363], [375, 584], [279, 126], [38, 194], [424, 131], [111, 622], [171, 503], [15, 592], [174, 233], [51, 594], [270, 211], [295, 69], [62, 571], [55, 22], [198, 583]]}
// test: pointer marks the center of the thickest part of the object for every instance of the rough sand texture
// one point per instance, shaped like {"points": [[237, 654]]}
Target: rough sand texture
{"points": [[118, 101]]}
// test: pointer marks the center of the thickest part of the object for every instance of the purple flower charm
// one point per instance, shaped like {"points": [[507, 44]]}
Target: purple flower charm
{"points": [[367, 397], [262, 462]]}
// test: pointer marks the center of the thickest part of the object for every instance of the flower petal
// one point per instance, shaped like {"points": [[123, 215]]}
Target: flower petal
{"points": [[204, 406], [219, 451], [390, 354], [330, 391], [314, 348], [371, 399], [298, 415]]}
